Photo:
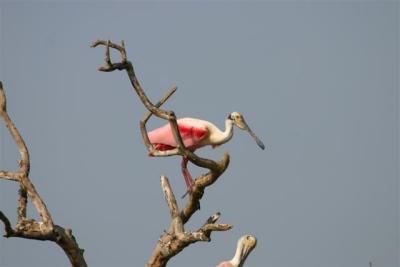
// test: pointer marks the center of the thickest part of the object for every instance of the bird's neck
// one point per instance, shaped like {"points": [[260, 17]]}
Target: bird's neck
{"points": [[226, 135], [237, 259]]}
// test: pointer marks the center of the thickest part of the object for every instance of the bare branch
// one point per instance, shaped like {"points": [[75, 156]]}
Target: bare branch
{"points": [[199, 185], [24, 162], [205, 231], [109, 66], [66, 240], [126, 65], [26, 186], [161, 102], [171, 244], [12, 176], [163, 114], [22, 201], [29, 228], [213, 218], [174, 241], [7, 225], [216, 227], [176, 224], [169, 197], [120, 48], [143, 130]]}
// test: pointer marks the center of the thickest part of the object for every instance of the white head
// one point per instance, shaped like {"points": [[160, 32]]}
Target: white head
{"points": [[239, 121], [245, 245]]}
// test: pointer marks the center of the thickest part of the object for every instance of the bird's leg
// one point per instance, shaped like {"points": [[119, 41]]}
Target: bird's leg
{"points": [[186, 175]]}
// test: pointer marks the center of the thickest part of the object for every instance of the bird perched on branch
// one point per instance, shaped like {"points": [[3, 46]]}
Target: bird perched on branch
{"points": [[244, 246], [198, 133]]}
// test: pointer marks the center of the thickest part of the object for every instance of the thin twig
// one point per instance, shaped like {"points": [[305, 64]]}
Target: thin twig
{"points": [[7, 225], [143, 130], [12, 176], [213, 218], [24, 162], [161, 102], [169, 197], [176, 221], [210, 225]]}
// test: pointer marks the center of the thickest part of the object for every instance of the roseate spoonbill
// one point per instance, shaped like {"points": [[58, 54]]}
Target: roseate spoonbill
{"points": [[197, 133], [244, 246]]}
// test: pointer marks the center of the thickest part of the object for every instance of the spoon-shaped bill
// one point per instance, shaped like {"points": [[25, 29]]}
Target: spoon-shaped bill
{"points": [[245, 252], [248, 244], [258, 141]]}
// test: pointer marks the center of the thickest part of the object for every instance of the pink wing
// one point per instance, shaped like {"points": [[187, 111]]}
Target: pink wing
{"points": [[191, 130]]}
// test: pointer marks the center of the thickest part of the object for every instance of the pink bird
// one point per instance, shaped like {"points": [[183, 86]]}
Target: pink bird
{"points": [[197, 133], [244, 246]]}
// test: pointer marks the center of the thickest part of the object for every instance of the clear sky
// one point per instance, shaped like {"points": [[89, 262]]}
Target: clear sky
{"points": [[317, 81]]}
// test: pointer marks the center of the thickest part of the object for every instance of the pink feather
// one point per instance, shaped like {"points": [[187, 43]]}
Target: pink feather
{"points": [[193, 131]]}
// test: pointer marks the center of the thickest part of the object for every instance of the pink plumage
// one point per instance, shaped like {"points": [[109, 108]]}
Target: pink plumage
{"points": [[198, 133], [192, 131], [244, 246], [225, 264]]}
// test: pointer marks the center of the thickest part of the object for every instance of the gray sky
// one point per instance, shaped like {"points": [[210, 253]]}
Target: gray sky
{"points": [[318, 82]]}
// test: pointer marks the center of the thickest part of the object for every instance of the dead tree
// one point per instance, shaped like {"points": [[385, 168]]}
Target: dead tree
{"points": [[176, 238], [26, 227]]}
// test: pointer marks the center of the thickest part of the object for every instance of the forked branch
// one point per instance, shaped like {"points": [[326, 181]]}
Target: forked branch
{"points": [[176, 238], [30, 228], [125, 64]]}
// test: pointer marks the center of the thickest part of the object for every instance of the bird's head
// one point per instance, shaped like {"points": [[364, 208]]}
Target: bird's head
{"points": [[239, 121], [246, 244]]}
